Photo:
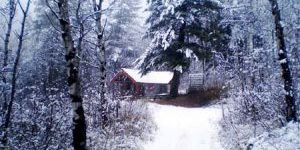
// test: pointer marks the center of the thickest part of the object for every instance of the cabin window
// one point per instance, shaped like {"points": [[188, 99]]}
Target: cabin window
{"points": [[163, 89]]}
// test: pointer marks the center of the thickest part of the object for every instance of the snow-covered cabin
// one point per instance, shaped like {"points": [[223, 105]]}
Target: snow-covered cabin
{"points": [[130, 82]]}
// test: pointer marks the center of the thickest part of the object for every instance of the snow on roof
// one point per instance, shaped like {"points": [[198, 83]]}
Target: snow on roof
{"points": [[156, 77]]}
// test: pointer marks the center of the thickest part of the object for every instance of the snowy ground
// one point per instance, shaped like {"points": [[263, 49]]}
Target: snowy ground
{"points": [[185, 128]]}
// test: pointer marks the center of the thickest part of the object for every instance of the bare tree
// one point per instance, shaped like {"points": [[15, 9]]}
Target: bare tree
{"points": [[284, 62], [100, 45], [14, 73], [79, 131], [12, 9]]}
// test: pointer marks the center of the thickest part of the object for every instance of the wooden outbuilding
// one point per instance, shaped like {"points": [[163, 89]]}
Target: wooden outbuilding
{"points": [[130, 82]]}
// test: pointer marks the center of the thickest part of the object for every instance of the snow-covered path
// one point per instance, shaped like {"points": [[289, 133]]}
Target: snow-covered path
{"points": [[185, 128]]}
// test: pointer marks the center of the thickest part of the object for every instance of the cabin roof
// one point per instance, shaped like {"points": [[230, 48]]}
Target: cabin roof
{"points": [[155, 77]]}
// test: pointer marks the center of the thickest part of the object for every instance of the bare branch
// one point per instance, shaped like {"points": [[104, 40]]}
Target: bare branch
{"points": [[20, 5], [51, 9], [51, 22], [9, 111]]}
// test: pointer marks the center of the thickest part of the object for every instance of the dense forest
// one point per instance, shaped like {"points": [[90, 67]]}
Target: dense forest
{"points": [[59, 59]]}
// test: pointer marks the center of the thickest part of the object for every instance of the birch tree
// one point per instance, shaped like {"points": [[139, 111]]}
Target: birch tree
{"points": [[284, 63], [15, 70], [258, 92], [101, 47], [12, 9], [79, 131]]}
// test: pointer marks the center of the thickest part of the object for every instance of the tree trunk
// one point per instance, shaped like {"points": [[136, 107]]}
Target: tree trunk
{"points": [[12, 9], [101, 47], [176, 77], [175, 84], [284, 62], [14, 76], [79, 130], [203, 71]]}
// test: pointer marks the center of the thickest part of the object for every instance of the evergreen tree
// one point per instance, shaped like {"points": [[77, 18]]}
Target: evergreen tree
{"points": [[124, 30], [180, 31]]}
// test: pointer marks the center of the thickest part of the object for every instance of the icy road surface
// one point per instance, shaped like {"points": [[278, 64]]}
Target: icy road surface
{"points": [[182, 128]]}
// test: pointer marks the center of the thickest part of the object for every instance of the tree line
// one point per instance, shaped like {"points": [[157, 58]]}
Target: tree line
{"points": [[55, 66]]}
